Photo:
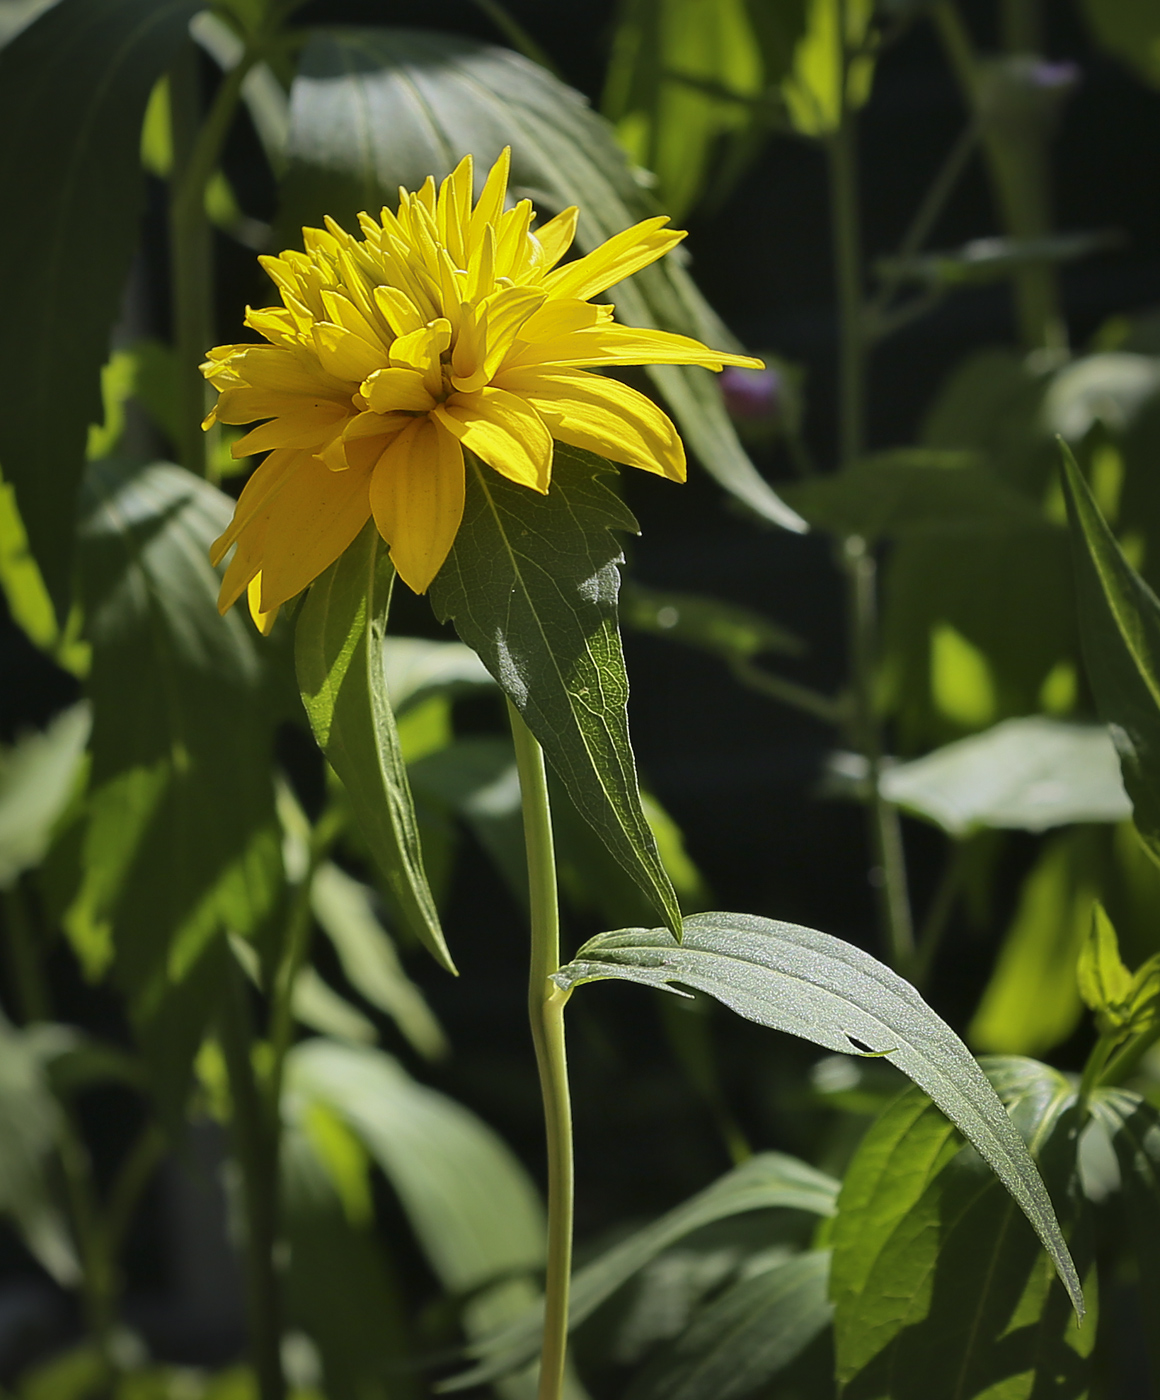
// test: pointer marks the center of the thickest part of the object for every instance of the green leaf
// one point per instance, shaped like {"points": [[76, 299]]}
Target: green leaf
{"points": [[1025, 774], [1131, 30], [766, 1182], [39, 775], [29, 1126], [420, 101], [345, 910], [813, 88], [990, 259], [1120, 625], [416, 669], [531, 585], [939, 1290], [74, 84], [728, 631], [316, 1004], [338, 653], [1134, 1128], [1104, 981], [745, 1336], [817, 987], [180, 839]]}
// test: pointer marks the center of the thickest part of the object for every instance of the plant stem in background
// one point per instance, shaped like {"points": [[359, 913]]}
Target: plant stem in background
{"points": [[255, 1146], [889, 872], [197, 147], [546, 1012]]}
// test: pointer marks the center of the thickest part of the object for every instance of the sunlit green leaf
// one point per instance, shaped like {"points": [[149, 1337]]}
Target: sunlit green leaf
{"points": [[531, 584], [939, 1289], [74, 84], [38, 776], [338, 653], [1104, 981], [813, 88], [817, 987]]}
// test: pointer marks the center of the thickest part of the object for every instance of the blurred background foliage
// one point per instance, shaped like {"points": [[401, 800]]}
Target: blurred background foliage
{"points": [[167, 829]]}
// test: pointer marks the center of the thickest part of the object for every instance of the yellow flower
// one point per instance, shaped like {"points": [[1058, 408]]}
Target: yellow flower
{"points": [[446, 327]]}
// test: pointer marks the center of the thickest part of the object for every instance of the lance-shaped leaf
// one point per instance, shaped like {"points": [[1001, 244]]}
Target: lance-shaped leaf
{"points": [[1120, 627], [770, 1181], [73, 89], [940, 1291], [817, 987], [338, 653], [531, 584], [373, 109]]}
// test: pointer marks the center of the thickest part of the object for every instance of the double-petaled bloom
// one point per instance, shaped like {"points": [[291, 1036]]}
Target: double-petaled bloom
{"points": [[449, 326]]}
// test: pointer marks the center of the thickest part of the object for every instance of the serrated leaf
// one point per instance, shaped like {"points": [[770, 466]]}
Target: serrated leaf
{"points": [[74, 85], [745, 1336], [1134, 1128], [1025, 774], [338, 654], [769, 1181], [419, 101], [1120, 626], [531, 585], [1104, 981], [939, 1291], [180, 839], [809, 984]]}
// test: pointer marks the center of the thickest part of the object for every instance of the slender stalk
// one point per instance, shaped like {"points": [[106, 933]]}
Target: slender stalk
{"points": [[133, 1175], [1122, 1064], [32, 1002], [858, 560], [546, 1012], [197, 148], [937, 916], [254, 1143], [801, 697]]}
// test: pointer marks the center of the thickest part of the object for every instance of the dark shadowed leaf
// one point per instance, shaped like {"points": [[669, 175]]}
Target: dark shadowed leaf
{"points": [[338, 652], [74, 86], [531, 585], [940, 1290], [1120, 626], [373, 109], [817, 987]]}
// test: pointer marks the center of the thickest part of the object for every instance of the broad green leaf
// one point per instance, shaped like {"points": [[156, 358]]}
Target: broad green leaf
{"points": [[813, 87], [1032, 1002], [1120, 626], [894, 491], [417, 669], [1131, 30], [1111, 389], [29, 1127], [74, 84], [474, 1211], [180, 839], [338, 653], [1134, 1129], [1024, 774], [39, 774], [345, 910], [417, 102], [939, 1289], [1104, 981], [766, 1182], [745, 1336], [729, 631], [531, 585], [809, 984]]}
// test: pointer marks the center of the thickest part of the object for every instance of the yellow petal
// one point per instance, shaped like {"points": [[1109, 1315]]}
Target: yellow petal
{"points": [[453, 210], [263, 621], [602, 416], [397, 390], [257, 493], [416, 496], [490, 204], [398, 310], [309, 426], [614, 344], [421, 349], [504, 431], [557, 234], [246, 563], [617, 258], [312, 519], [507, 310]]}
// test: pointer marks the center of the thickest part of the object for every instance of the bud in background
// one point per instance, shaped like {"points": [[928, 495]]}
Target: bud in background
{"points": [[765, 404]]}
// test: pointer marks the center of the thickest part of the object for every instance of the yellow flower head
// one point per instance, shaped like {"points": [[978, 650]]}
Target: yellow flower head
{"points": [[448, 326]]}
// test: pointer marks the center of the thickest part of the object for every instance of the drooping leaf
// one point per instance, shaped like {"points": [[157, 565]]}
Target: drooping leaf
{"points": [[531, 585], [38, 776], [180, 838], [817, 987], [1025, 774], [74, 85], [1134, 1128], [766, 1182], [373, 109], [939, 1289], [338, 653], [1120, 626], [989, 259], [745, 1336]]}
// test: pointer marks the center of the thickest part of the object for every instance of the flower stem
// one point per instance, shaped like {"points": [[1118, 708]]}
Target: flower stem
{"points": [[546, 1011]]}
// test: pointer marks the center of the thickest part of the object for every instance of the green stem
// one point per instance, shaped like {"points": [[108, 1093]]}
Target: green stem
{"points": [[32, 1000], [848, 278], [1121, 1065], [546, 1012], [197, 148], [133, 1175], [934, 925], [254, 1143], [790, 693]]}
